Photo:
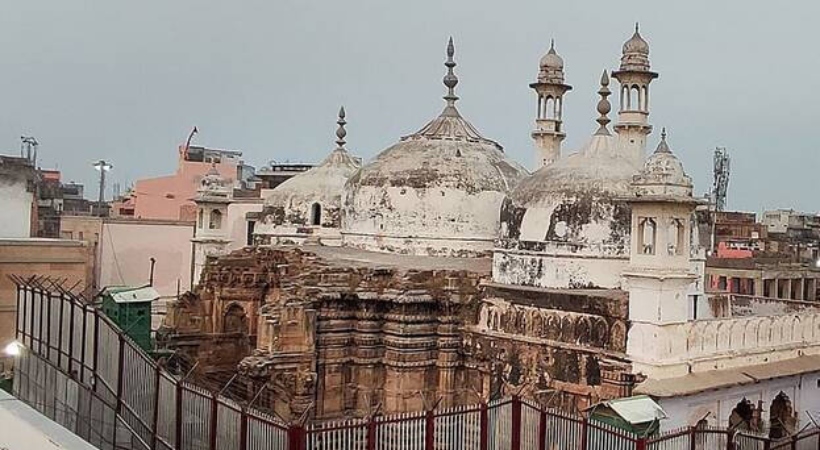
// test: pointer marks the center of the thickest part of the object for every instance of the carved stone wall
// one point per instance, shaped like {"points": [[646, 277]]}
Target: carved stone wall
{"points": [[344, 338]]}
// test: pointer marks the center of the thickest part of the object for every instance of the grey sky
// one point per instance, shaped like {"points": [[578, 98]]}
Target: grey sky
{"points": [[127, 80]]}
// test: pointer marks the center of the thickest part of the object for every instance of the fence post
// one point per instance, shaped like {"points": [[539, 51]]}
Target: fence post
{"points": [[484, 425], [17, 311], [60, 334], [95, 350], [542, 429], [794, 442], [30, 301], [296, 437], [214, 418], [243, 430], [430, 431], [155, 418], [640, 444], [40, 333], [178, 418], [71, 340], [83, 344], [584, 432], [371, 434], [515, 438], [120, 364], [693, 433]]}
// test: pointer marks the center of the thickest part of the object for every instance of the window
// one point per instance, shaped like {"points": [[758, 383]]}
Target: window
{"points": [[647, 230], [199, 220], [316, 214], [251, 227], [216, 220], [676, 238]]}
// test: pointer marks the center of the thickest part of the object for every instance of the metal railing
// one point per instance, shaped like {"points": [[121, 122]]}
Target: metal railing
{"points": [[83, 372]]}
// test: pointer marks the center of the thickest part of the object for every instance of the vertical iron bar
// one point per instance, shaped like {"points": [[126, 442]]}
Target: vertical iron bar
{"points": [[71, 340], [243, 430], [178, 423], [214, 415], [30, 300], [17, 329], [83, 345], [371, 434], [515, 438], [118, 410], [584, 431], [430, 431], [692, 437], [96, 349], [40, 331], [60, 335], [483, 438], [542, 429], [155, 418]]}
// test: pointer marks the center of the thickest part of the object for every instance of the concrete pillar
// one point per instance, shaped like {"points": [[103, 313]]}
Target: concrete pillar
{"points": [[801, 288], [787, 289], [758, 286], [812, 290]]}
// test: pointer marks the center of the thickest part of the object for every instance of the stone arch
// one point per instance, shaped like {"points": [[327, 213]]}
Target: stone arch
{"points": [[742, 416], [583, 330], [618, 336], [553, 327], [316, 214], [782, 422], [567, 329], [234, 320], [600, 332]]}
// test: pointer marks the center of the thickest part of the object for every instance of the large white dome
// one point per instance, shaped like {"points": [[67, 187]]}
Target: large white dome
{"points": [[436, 192]]}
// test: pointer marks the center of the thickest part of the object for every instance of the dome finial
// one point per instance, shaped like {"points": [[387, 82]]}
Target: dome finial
{"points": [[552, 45], [637, 28], [663, 147], [604, 107], [341, 132], [450, 80]]}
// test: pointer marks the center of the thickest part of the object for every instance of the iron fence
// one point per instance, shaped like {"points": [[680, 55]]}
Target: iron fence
{"points": [[83, 372]]}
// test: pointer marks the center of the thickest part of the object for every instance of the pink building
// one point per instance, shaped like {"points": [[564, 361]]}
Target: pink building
{"points": [[171, 197]]}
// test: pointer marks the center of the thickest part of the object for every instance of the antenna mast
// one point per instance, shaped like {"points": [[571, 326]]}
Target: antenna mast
{"points": [[720, 185]]}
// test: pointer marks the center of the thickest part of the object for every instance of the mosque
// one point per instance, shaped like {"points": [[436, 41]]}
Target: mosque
{"points": [[441, 271]]}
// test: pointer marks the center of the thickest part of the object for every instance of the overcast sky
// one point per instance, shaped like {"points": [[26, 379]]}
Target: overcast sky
{"points": [[126, 81]]}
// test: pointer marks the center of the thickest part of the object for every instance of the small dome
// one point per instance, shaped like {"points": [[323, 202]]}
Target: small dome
{"points": [[213, 186], [662, 175], [636, 44], [551, 60], [313, 198], [635, 53], [551, 67], [291, 203]]}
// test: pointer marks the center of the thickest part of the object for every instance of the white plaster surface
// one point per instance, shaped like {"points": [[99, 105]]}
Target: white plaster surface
{"points": [[15, 204]]}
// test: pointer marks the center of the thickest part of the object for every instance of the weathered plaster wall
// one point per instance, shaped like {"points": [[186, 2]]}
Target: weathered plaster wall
{"points": [[680, 348], [435, 221], [561, 347], [716, 405], [16, 204], [127, 246], [574, 240]]}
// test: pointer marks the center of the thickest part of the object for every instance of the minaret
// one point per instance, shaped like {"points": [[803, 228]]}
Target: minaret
{"points": [[633, 116], [550, 87], [659, 272], [211, 233]]}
